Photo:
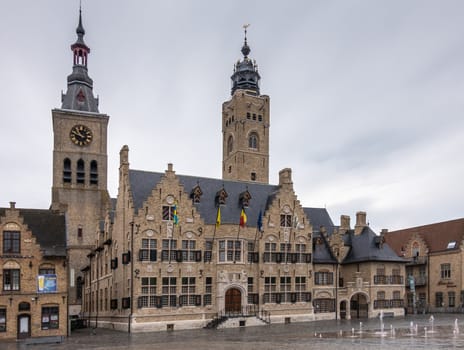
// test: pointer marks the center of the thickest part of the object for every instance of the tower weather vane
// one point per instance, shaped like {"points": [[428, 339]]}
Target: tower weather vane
{"points": [[245, 26]]}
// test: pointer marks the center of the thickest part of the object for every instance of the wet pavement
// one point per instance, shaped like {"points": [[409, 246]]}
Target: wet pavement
{"points": [[412, 332]]}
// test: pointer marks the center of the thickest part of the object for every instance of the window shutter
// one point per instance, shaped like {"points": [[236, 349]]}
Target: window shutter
{"points": [[158, 302], [278, 257], [152, 255], [178, 255], [294, 258], [308, 258], [197, 300], [293, 297], [140, 302], [278, 298], [141, 255]]}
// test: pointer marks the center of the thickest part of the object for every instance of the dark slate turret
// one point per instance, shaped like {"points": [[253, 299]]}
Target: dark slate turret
{"points": [[246, 76], [79, 95]]}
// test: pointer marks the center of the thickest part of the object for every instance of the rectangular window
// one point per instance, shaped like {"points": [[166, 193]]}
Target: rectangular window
{"points": [[168, 212], [11, 279], [169, 291], [270, 252], [230, 250], [300, 253], [2, 320], [270, 289], [148, 292], [439, 299], [188, 250], [188, 297], [208, 290], [445, 271], [147, 251], [47, 271], [285, 220], [324, 305], [451, 299], [208, 251], [323, 278], [11, 242], [50, 319], [169, 251]]}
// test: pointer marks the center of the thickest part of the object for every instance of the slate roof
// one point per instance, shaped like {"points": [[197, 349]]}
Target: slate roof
{"points": [[365, 247], [437, 236], [49, 228], [319, 217], [142, 184]]}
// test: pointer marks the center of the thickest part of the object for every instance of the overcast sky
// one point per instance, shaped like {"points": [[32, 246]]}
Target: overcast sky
{"points": [[367, 97]]}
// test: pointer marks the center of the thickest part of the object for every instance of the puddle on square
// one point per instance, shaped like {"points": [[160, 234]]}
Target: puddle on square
{"points": [[412, 332]]}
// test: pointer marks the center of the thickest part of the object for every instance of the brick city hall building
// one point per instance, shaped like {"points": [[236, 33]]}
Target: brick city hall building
{"points": [[182, 251]]}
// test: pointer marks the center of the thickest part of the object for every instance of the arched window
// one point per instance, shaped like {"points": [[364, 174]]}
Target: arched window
{"points": [[230, 144], [80, 172], [253, 141], [93, 172], [67, 170]]}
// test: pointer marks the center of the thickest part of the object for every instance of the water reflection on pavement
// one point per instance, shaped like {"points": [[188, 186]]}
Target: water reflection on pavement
{"points": [[410, 332]]}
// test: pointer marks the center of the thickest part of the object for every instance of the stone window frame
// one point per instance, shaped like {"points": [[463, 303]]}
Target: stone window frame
{"points": [[230, 250], [11, 242], [50, 317], [188, 290], [253, 141], [148, 249], [8, 274], [169, 291], [148, 287], [445, 271]]}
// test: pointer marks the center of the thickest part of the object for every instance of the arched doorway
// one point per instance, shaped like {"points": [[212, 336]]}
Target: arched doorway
{"points": [[358, 306], [233, 303], [343, 310]]}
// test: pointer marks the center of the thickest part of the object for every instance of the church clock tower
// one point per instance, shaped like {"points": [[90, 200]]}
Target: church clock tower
{"points": [[79, 166], [245, 125]]}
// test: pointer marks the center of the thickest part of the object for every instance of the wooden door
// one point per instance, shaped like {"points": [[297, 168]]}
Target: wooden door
{"points": [[233, 301]]}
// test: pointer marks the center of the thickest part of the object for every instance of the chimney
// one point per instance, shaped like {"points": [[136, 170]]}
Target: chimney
{"points": [[360, 222], [344, 223], [285, 177], [170, 173], [12, 205]]}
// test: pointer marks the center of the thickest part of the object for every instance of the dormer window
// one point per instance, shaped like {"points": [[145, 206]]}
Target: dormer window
{"points": [[221, 196], [244, 199], [451, 245], [196, 194]]}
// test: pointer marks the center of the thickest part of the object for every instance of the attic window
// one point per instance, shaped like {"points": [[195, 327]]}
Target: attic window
{"points": [[221, 196], [245, 199], [196, 194], [451, 245]]}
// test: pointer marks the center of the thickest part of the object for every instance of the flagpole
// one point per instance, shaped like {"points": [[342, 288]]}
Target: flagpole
{"points": [[218, 222]]}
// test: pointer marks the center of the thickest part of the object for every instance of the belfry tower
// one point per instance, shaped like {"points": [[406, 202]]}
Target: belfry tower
{"points": [[245, 124], [79, 166]]}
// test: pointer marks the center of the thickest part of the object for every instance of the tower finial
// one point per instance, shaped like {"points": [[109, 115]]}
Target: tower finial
{"points": [[245, 48]]}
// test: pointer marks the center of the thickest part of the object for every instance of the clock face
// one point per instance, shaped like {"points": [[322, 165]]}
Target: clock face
{"points": [[81, 135]]}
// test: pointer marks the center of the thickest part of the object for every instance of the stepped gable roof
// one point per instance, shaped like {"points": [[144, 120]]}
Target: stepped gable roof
{"points": [[49, 228], [367, 246], [142, 184], [437, 236]]}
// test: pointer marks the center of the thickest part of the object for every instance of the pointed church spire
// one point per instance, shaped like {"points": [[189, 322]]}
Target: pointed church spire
{"points": [[246, 76], [79, 95]]}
